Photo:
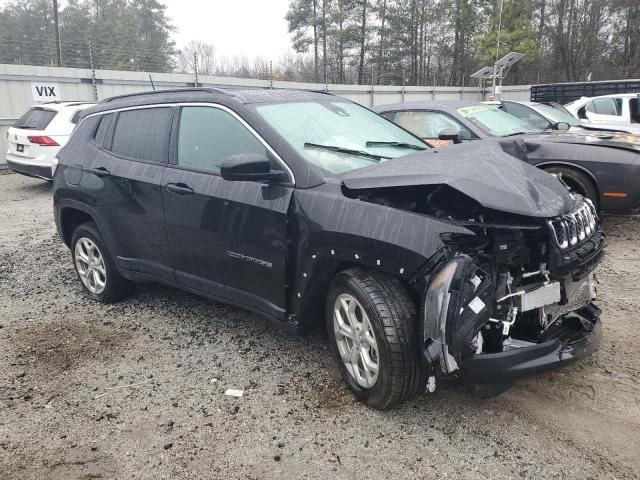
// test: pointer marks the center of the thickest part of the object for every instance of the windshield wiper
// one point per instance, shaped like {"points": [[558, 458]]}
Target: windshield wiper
{"points": [[348, 151], [519, 133], [26, 127], [396, 144]]}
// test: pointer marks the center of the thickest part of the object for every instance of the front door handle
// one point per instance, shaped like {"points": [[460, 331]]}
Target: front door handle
{"points": [[100, 171], [179, 189]]}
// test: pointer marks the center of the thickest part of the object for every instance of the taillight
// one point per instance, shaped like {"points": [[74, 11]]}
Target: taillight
{"points": [[44, 141]]}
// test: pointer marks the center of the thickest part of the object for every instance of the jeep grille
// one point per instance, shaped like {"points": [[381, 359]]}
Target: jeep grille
{"points": [[574, 228]]}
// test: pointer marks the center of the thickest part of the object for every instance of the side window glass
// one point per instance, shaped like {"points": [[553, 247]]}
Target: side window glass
{"points": [[103, 129], [143, 134], [606, 106], [528, 115], [428, 125], [208, 135]]}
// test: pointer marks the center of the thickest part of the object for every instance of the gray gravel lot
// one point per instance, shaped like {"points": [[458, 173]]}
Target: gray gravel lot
{"points": [[136, 389]]}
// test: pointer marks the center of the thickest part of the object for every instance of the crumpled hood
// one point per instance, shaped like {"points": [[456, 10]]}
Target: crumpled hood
{"points": [[482, 171]]}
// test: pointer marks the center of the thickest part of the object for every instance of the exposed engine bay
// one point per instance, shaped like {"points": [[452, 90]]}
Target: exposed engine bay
{"points": [[517, 283]]}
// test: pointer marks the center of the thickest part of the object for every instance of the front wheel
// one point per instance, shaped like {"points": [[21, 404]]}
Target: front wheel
{"points": [[372, 330]]}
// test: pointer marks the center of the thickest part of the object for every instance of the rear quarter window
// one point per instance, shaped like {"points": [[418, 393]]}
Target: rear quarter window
{"points": [[104, 127], [35, 119], [143, 134], [76, 116]]}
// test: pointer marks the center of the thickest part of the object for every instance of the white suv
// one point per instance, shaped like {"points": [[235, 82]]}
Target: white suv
{"points": [[38, 135], [622, 110]]}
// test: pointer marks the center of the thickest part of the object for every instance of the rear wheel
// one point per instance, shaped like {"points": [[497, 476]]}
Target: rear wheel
{"points": [[372, 330], [578, 182], [95, 266]]}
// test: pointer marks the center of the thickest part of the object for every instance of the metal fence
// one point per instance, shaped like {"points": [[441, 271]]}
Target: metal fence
{"points": [[17, 84]]}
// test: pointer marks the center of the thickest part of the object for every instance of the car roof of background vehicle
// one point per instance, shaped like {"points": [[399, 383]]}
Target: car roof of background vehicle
{"points": [[58, 106], [445, 106], [584, 100], [623, 95], [525, 102]]}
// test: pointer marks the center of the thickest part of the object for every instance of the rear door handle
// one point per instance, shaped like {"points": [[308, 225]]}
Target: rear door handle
{"points": [[179, 189], [100, 171]]}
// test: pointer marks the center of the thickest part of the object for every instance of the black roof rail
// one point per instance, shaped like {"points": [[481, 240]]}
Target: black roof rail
{"points": [[170, 90], [323, 92]]}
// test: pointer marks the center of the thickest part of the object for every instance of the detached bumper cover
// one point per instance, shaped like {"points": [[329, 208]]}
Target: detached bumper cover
{"points": [[503, 368], [38, 171]]}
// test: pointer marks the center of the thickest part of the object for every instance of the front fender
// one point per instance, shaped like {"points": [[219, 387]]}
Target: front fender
{"points": [[332, 232]]}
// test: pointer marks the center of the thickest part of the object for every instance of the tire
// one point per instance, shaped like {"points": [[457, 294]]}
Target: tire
{"points": [[391, 316], [111, 286], [578, 182]]}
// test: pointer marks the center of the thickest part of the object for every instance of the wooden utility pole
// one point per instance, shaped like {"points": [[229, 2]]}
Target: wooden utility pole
{"points": [[56, 27], [324, 41]]}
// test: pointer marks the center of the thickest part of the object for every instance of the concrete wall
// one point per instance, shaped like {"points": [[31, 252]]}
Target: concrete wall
{"points": [[75, 84]]}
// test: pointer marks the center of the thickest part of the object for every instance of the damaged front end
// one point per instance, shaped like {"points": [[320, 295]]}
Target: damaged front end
{"points": [[513, 294], [513, 299]]}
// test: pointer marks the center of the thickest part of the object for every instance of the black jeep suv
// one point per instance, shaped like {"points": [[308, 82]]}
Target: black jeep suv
{"points": [[307, 208]]}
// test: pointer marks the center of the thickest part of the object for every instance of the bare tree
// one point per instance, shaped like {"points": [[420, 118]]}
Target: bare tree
{"points": [[206, 58]]}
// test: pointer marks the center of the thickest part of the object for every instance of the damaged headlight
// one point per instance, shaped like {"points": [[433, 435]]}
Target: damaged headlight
{"points": [[455, 308], [436, 306]]}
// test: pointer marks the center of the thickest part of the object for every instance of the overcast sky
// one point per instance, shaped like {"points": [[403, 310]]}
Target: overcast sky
{"points": [[234, 27], [249, 27]]}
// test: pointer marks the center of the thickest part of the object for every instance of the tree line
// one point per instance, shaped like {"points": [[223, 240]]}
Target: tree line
{"points": [[121, 34], [412, 42], [434, 41]]}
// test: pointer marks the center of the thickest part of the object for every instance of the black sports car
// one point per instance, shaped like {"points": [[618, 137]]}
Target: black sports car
{"points": [[602, 166], [308, 208]]}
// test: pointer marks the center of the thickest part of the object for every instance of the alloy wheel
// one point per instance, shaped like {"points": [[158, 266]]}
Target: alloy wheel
{"points": [[90, 265], [356, 340]]}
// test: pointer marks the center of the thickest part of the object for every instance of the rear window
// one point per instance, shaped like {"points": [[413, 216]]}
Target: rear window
{"points": [[143, 134], [35, 119]]}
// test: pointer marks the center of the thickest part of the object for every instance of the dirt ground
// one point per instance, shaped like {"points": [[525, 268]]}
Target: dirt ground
{"points": [[136, 390]]}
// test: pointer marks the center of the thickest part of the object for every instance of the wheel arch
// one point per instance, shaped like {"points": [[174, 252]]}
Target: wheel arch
{"points": [[71, 217], [555, 163], [309, 291]]}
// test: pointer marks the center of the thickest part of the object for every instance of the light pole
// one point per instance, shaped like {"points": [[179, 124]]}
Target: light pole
{"points": [[497, 47]]}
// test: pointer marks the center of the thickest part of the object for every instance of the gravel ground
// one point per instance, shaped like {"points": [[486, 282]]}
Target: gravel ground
{"points": [[136, 390]]}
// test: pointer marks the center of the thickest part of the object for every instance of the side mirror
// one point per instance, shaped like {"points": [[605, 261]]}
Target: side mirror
{"points": [[449, 134], [247, 167], [562, 126]]}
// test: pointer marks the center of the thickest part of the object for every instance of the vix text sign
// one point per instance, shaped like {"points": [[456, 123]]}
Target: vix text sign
{"points": [[45, 92]]}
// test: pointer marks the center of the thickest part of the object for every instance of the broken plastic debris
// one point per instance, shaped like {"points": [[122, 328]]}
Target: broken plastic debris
{"points": [[233, 392], [431, 384]]}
